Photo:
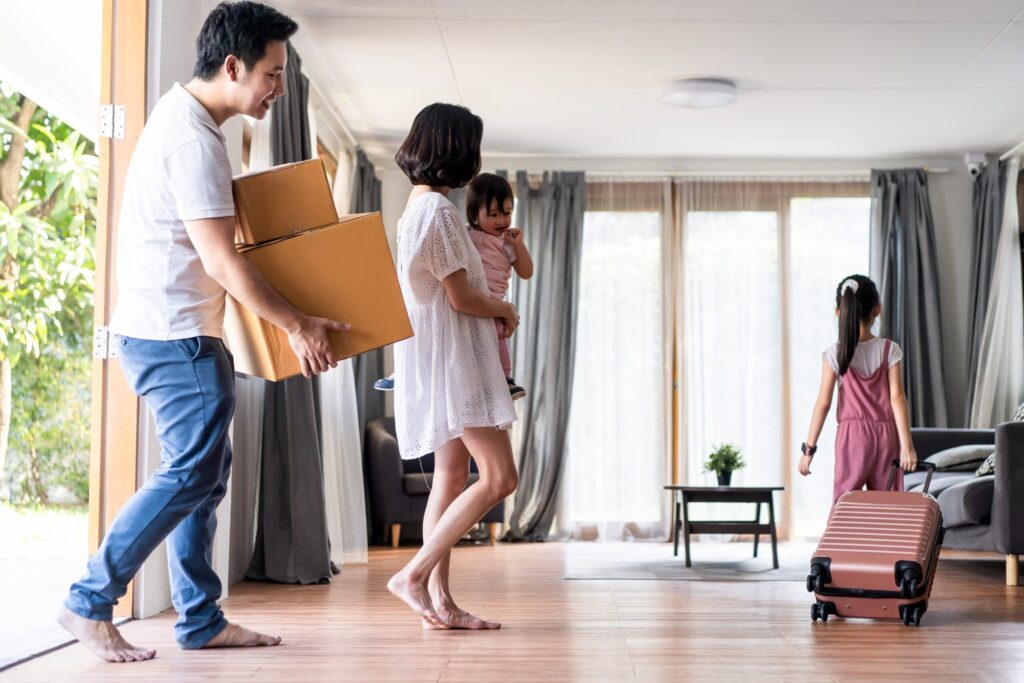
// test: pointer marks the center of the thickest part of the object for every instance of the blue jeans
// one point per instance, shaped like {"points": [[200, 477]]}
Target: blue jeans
{"points": [[189, 385]]}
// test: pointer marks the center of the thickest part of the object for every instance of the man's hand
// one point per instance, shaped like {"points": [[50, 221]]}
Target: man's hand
{"points": [[312, 345]]}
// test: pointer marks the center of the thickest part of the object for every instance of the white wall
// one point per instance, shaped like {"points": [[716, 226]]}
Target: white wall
{"points": [[58, 68], [951, 209]]}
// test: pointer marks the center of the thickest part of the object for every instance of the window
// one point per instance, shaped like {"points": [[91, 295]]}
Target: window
{"points": [[616, 454], [761, 261], [829, 239]]}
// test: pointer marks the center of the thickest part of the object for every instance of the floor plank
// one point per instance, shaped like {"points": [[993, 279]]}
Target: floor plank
{"points": [[594, 630]]}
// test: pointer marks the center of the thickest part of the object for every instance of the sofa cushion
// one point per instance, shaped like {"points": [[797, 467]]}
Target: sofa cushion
{"points": [[961, 458], [914, 481], [967, 502], [418, 483], [987, 467]]}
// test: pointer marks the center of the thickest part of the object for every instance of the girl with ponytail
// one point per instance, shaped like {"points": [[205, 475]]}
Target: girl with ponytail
{"points": [[874, 427]]}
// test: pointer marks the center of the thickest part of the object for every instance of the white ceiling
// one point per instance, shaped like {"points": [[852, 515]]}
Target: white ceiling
{"points": [[818, 79]]}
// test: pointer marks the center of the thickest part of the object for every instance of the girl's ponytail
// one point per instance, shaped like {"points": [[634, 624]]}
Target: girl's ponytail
{"points": [[856, 297]]}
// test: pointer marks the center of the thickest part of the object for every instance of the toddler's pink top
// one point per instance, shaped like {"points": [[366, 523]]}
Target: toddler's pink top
{"points": [[497, 256]]}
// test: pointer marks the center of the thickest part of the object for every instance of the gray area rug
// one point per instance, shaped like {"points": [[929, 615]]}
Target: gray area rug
{"points": [[711, 562]]}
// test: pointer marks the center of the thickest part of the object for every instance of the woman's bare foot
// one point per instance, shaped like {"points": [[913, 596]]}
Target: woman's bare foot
{"points": [[102, 639], [454, 617], [415, 595], [234, 635]]}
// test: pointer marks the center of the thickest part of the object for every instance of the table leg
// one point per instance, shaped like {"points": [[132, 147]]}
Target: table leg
{"points": [[686, 529], [771, 519], [757, 520], [675, 524]]}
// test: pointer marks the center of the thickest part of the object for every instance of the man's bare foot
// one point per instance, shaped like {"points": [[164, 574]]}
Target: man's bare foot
{"points": [[102, 639], [234, 635], [416, 596]]}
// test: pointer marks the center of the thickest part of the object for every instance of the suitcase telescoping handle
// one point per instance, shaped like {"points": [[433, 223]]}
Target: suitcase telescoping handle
{"points": [[930, 466]]}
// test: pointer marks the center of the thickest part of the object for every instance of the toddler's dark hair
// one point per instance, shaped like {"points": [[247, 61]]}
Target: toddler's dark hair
{"points": [[484, 189]]}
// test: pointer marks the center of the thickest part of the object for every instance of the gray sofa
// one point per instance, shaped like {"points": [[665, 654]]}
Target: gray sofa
{"points": [[979, 513], [398, 489]]}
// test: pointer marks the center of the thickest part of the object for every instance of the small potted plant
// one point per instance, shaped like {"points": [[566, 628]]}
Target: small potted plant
{"points": [[725, 460]]}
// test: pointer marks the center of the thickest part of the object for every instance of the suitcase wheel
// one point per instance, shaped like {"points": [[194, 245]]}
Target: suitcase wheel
{"points": [[909, 583], [911, 614], [821, 610]]}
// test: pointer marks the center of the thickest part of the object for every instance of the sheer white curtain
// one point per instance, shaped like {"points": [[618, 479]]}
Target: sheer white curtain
{"points": [[1000, 379], [247, 426], [616, 463], [342, 442], [760, 261]]}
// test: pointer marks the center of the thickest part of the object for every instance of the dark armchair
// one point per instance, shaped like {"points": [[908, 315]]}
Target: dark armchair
{"points": [[980, 513], [398, 489]]}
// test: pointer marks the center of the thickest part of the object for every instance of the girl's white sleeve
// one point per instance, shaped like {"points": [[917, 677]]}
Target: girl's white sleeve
{"points": [[895, 354]]}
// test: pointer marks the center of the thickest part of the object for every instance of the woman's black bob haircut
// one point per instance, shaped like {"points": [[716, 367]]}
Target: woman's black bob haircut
{"points": [[443, 146]]}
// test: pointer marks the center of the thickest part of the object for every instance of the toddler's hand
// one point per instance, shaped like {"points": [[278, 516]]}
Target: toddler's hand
{"points": [[908, 460], [514, 236], [805, 465]]}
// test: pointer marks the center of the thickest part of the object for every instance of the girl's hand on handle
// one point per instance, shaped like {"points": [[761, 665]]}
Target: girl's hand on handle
{"points": [[510, 317], [805, 464], [908, 460]]}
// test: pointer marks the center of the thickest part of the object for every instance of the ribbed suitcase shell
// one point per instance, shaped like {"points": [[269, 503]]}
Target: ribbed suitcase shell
{"points": [[868, 534]]}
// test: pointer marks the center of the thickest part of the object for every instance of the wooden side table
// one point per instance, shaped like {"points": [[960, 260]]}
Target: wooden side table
{"points": [[758, 495]]}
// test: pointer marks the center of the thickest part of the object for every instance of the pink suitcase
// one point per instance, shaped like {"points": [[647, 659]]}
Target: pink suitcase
{"points": [[878, 555]]}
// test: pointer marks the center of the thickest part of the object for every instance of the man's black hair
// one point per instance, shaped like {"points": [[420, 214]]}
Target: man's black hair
{"points": [[242, 29]]}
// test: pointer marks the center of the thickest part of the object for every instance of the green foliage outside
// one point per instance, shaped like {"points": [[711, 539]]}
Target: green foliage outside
{"points": [[47, 233]]}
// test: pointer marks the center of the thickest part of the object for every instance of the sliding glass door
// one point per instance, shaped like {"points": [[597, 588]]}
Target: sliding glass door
{"points": [[760, 263]]}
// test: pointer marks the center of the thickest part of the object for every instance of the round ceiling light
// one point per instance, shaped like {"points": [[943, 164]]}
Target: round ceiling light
{"points": [[699, 93]]}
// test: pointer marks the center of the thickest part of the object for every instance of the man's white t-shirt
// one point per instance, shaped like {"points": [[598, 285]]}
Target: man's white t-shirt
{"points": [[180, 171]]}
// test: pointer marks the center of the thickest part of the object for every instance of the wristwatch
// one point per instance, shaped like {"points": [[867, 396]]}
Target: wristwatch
{"points": [[808, 450]]}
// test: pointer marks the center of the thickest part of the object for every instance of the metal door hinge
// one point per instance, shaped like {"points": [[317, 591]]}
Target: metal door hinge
{"points": [[103, 345], [112, 121]]}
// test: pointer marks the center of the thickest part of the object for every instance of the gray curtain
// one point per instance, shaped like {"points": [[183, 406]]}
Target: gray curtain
{"points": [[904, 264], [292, 545], [289, 126], [544, 347], [366, 367], [989, 198]]}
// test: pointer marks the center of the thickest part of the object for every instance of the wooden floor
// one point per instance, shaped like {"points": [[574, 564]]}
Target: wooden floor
{"points": [[557, 630]]}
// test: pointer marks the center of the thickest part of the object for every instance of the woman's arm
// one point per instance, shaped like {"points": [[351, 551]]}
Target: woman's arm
{"points": [[908, 456], [523, 264], [467, 300], [820, 412]]}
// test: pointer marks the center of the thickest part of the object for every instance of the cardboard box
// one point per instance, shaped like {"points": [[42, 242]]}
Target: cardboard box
{"points": [[283, 200], [341, 270]]}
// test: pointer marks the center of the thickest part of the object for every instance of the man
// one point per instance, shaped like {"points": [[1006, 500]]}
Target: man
{"points": [[176, 258]]}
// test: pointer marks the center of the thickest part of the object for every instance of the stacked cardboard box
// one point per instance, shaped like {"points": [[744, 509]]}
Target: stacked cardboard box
{"points": [[328, 266]]}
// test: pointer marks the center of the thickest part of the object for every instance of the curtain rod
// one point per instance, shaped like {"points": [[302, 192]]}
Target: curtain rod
{"points": [[325, 103], [859, 174], [1012, 151]]}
